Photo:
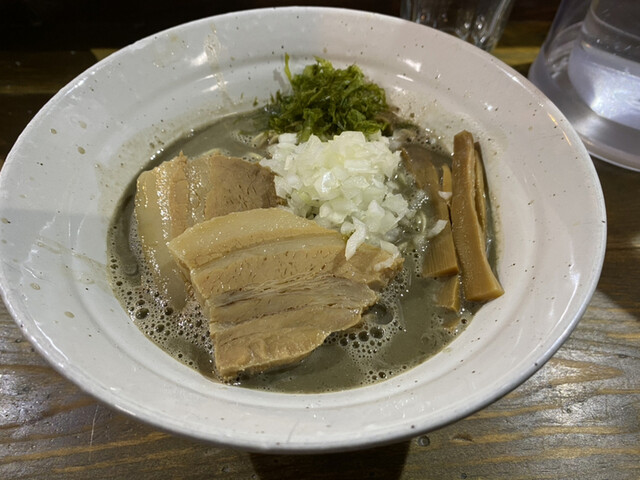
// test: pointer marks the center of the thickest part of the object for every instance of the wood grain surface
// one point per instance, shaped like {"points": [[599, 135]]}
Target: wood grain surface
{"points": [[577, 417]]}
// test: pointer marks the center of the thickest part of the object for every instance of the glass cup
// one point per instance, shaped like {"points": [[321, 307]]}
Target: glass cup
{"points": [[589, 66], [480, 22]]}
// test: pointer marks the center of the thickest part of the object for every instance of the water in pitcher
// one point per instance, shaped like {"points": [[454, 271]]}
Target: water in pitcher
{"points": [[604, 64], [589, 66]]}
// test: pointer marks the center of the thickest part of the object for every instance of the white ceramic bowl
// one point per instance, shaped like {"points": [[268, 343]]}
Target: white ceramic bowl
{"points": [[65, 175]]}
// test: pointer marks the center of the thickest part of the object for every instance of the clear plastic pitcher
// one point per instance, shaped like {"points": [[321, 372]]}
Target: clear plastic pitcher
{"points": [[589, 66]]}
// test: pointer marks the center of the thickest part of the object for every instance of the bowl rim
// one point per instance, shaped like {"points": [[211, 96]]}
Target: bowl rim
{"points": [[13, 304]]}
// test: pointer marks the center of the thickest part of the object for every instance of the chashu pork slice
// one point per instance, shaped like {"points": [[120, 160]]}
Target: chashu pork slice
{"points": [[258, 267], [292, 294], [219, 185], [213, 239], [162, 212], [272, 261], [181, 192], [256, 246], [278, 339], [274, 285]]}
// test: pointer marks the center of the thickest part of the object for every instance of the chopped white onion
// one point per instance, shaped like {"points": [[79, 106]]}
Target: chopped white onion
{"points": [[342, 183], [436, 229]]}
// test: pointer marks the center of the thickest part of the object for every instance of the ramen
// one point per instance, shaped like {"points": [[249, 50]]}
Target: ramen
{"points": [[412, 317]]}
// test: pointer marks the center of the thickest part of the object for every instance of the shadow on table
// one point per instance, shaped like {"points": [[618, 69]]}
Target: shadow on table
{"points": [[380, 462], [621, 270]]}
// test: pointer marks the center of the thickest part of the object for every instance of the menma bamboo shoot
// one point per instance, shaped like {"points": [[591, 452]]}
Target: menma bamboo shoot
{"points": [[478, 280], [440, 256]]}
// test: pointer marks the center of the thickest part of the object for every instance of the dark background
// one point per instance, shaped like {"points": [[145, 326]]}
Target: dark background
{"points": [[44, 44], [77, 24]]}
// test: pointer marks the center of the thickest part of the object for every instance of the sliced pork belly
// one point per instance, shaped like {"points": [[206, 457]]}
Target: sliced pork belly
{"points": [[269, 262], [162, 213], [292, 294], [237, 243], [180, 193], [274, 285], [219, 185], [278, 339], [219, 236], [370, 265]]}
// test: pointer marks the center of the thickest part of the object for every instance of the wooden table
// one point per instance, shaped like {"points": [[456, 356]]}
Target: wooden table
{"points": [[577, 417]]}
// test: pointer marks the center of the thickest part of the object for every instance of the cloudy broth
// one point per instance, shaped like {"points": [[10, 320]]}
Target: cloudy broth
{"points": [[402, 330]]}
